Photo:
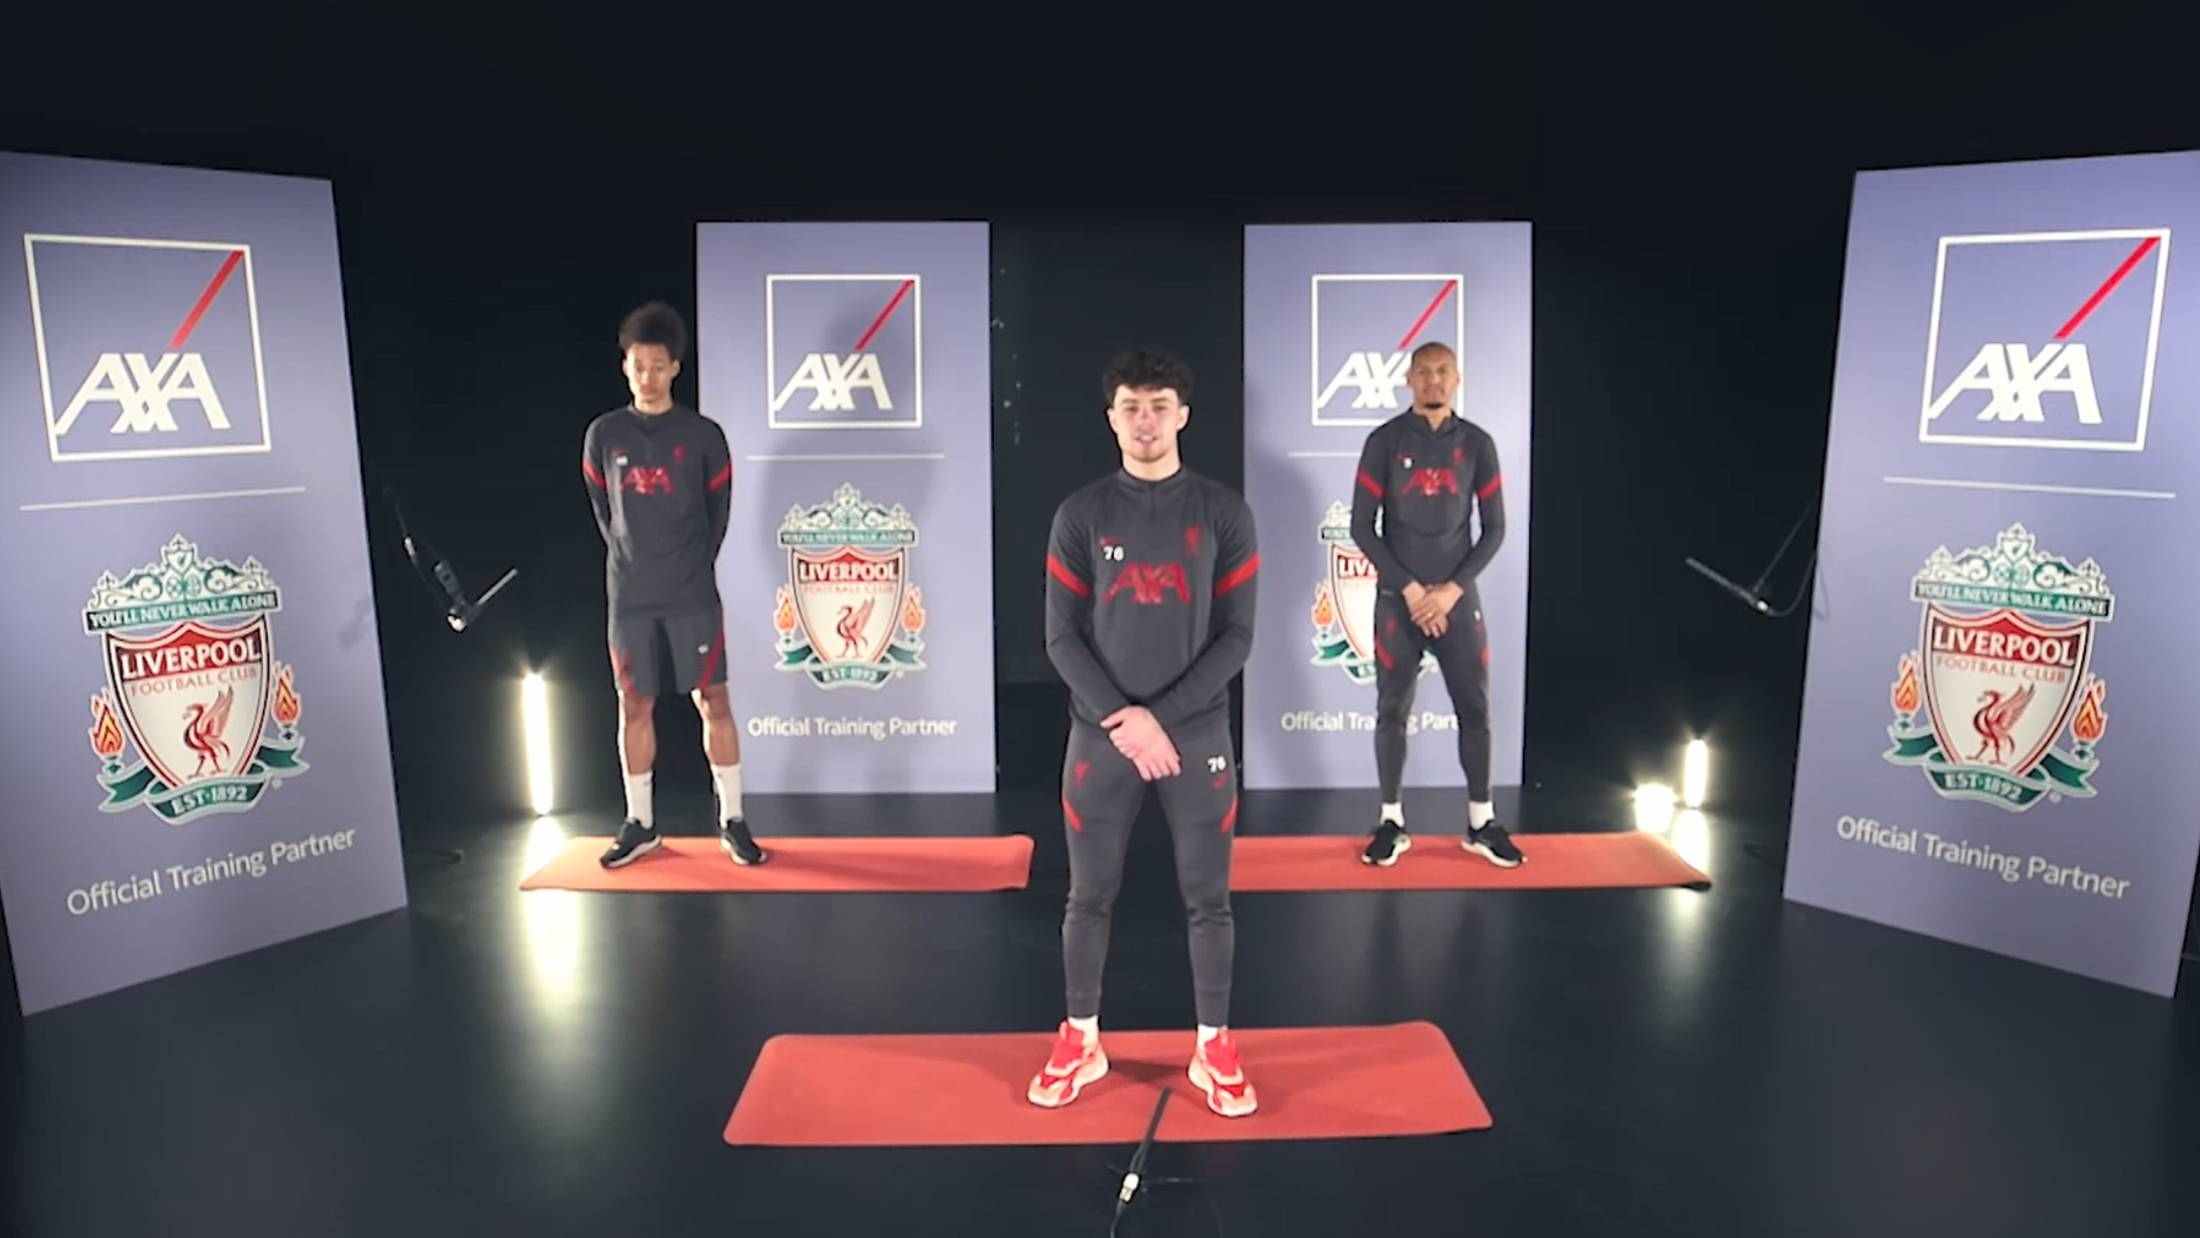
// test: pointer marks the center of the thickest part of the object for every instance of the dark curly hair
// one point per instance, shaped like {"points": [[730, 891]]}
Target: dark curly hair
{"points": [[655, 323], [1139, 370]]}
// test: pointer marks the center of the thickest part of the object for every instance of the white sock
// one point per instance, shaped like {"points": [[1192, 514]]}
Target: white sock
{"points": [[1481, 814], [1088, 1028], [637, 798], [727, 778], [1207, 1033], [1395, 813]]}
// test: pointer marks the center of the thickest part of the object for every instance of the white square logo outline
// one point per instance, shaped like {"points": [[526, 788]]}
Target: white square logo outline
{"points": [[2154, 335], [45, 377], [1314, 337], [771, 351]]}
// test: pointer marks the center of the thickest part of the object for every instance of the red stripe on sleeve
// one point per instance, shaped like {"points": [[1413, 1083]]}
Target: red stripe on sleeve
{"points": [[1238, 576], [588, 470], [1370, 485], [1490, 489], [723, 478], [1060, 571]]}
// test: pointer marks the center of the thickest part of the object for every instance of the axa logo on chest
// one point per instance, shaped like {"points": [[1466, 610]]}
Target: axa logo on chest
{"points": [[2045, 339], [1149, 584], [147, 348], [1430, 482], [844, 352], [1364, 331]]}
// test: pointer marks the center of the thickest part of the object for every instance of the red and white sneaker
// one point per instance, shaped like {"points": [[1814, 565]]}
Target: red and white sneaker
{"points": [[1217, 1071], [1069, 1069]]}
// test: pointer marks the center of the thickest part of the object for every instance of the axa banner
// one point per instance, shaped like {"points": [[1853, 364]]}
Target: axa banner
{"points": [[1993, 741], [849, 366], [196, 748], [1332, 316]]}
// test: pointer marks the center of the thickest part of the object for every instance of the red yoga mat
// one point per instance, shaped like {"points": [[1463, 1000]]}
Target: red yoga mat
{"points": [[799, 865], [1271, 863], [930, 1091]]}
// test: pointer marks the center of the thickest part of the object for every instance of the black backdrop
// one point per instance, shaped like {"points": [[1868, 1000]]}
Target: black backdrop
{"points": [[503, 195]]}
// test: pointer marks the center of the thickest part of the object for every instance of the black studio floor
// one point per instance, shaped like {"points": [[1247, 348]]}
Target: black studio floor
{"points": [[1658, 1061]]}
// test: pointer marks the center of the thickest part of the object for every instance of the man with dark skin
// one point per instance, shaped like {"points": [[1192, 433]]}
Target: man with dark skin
{"points": [[1430, 476]]}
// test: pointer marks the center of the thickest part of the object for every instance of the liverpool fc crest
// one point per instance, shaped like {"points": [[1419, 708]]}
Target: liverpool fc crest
{"points": [[2002, 668], [192, 685], [848, 614], [1344, 603]]}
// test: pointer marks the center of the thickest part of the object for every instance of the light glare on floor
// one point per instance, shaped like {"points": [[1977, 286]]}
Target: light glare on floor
{"points": [[1691, 838], [1653, 807]]}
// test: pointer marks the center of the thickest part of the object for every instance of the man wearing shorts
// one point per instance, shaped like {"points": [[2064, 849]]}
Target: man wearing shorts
{"points": [[660, 477]]}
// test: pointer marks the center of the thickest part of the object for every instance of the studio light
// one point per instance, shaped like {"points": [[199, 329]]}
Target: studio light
{"points": [[1696, 773], [534, 700]]}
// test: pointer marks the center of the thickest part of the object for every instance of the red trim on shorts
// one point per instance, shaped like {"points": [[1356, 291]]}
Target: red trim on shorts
{"points": [[711, 660]]}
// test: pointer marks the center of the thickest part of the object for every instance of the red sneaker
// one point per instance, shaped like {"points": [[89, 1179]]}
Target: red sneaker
{"points": [[1070, 1067], [1217, 1071]]}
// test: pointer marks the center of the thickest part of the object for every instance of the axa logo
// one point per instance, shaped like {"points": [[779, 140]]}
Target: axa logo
{"points": [[1374, 379], [832, 381], [1150, 584], [1365, 328], [145, 391], [1431, 482], [646, 479], [844, 351], [2045, 339], [146, 348], [2014, 381]]}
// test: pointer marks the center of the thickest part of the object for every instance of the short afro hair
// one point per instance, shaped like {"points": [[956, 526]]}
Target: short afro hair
{"points": [[655, 323], [1140, 370]]}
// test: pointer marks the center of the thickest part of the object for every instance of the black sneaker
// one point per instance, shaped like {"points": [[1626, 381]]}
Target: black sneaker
{"points": [[733, 835], [1390, 842], [635, 840], [1492, 843]]}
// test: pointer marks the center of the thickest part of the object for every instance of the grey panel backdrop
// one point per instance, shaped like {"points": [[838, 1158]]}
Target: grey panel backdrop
{"points": [[196, 748], [1994, 719], [849, 366], [1328, 313]]}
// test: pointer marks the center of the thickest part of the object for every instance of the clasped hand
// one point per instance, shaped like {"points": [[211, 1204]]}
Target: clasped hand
{"points": [[1430, 606], [1137, 734]]}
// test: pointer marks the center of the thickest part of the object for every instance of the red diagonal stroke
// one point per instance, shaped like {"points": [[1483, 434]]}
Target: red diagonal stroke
{"points": [[2100, 294], [206, 298], [1428, 313], [885, 314]]}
